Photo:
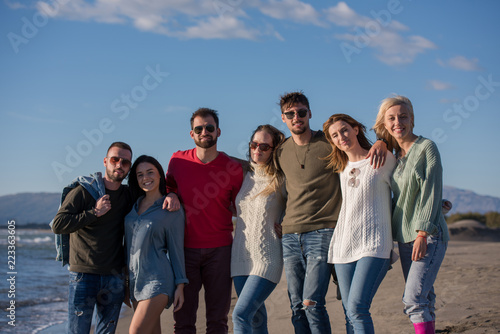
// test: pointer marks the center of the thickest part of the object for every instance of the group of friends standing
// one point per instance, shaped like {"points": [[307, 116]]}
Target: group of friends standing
{"points": [[315, 203]]}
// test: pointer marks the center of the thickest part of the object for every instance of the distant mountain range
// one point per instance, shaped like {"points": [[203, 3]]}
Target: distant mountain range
{"points": [[469, 201], [26, 208]]}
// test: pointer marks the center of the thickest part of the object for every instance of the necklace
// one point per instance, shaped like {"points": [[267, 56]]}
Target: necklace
{"points": [[302, 164]]}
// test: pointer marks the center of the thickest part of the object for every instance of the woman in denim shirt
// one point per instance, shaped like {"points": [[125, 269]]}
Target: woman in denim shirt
{"points": [[155, 248], [418, 223]]}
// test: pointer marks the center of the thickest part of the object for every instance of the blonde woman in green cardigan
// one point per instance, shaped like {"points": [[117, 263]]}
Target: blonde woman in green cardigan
{"points": [[418, 223]]}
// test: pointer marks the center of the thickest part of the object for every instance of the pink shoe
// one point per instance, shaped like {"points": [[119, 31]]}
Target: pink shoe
{"points": [[424, 327]]}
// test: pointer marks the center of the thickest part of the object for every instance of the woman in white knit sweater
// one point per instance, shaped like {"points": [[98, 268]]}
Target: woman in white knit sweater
{"points": [[362, 242], [256, 257]]}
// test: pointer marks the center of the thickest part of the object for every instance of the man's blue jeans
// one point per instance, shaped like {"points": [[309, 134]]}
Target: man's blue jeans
{"points": [[419, 297], [249, 314], [105, 293], [358, 283], [308, 274]]}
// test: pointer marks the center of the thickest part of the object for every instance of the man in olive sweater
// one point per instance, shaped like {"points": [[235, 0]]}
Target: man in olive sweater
{"points": [[313, 204], [92, 214]]}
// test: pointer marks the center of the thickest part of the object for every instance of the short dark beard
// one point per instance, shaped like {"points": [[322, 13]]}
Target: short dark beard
{"points": [[206, 144], [114, 178], [298, 131]]}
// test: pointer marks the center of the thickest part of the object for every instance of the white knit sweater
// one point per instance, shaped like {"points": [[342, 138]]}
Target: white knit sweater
{"points": [[364, 225], [256, 248]]}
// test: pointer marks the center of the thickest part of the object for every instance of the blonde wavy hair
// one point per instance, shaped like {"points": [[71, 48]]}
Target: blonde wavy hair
{"points": [[271, 167], [379, 126]]}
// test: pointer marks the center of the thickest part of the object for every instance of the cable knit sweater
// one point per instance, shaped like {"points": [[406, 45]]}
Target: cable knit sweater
{"points": [[418, 189], [256, 248], [364, 224]]}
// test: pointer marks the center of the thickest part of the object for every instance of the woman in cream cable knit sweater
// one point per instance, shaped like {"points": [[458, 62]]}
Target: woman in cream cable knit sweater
{"points": [[361, 244], [256, 257]]}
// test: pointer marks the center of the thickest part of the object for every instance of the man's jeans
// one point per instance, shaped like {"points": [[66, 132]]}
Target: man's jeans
{"points": [[308, 273], [358, 282], [249, 314], [419, 297], [105, 293]]}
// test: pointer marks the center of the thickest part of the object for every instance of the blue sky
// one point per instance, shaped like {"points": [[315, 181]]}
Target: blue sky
{"points": [[77, 75]]}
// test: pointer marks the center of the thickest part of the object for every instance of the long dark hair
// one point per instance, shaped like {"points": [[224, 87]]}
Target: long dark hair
{"points": [[132, 176]]}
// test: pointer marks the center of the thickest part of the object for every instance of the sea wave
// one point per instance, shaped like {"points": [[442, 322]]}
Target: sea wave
{"points": [[33, 302], [36, 240], [27, 237]]}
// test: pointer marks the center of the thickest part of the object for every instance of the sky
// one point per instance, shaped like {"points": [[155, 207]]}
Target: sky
{"points": [[77, 75]]}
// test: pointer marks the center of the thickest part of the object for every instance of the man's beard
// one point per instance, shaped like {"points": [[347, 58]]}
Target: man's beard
{"points": [[298, 131], [206, 143], [114, 178]]}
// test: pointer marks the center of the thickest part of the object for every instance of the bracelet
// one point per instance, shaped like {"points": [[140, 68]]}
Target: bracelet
{"points": [[382, 139], [421, 236]]}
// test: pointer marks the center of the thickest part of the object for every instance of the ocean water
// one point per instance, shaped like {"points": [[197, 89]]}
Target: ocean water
{"points": [[41, 283]]}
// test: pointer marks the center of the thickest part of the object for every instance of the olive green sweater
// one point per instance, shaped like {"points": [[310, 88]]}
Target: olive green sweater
{"points": [[314, 196], [417, 185]]}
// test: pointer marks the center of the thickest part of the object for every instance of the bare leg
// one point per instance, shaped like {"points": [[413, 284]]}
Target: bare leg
{"points": [[146, 319]]}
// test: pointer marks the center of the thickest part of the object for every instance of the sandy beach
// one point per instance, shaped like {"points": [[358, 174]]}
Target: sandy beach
{"points": [[467, 288]]}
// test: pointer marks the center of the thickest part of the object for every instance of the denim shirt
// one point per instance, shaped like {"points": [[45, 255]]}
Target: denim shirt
{"points": [[154, 244], [94, 184]]}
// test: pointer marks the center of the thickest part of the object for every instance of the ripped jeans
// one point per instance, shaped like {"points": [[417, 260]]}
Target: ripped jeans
{"points": [[105, 293], [308, 274]]}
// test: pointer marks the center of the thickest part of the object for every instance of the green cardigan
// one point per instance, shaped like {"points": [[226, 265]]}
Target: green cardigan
{"points": [[417, 185]]}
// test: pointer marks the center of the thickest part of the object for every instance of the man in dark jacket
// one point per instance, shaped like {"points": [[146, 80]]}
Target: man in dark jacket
{"points": [[92, 214]]}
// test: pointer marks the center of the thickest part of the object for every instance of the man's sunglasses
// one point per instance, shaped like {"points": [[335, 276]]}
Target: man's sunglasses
{"points": [[124, 162], [291, 114], [198, 129], [262, 147]]}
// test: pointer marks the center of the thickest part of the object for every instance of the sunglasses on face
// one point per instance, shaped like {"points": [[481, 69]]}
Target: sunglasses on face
{"points": [[124, 162], [291, 114], [198, 129], [262, 147]]}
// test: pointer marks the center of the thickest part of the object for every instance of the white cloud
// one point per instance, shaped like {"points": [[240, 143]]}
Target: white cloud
{"points": [[228, 19], [342, 15], [293, 10], [390, 47], [200, 19], [461, 63], [384, 36], [439, 85], [223, 27]]}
